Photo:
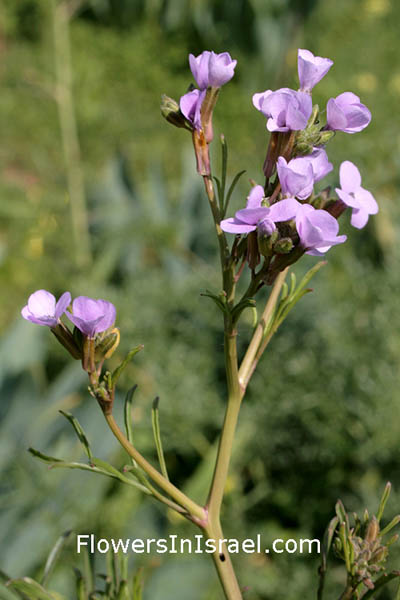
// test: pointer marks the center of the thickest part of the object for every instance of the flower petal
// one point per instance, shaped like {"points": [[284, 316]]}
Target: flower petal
{"points": [[350, 178], [233, 225], [284, 210], [42, 304], [62, 304]]}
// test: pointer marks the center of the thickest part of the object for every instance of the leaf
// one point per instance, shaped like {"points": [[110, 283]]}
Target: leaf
{"points": [[32, 589], [328, 537], [217, 299], [97, 466], [231, 189], [7, 594], [128, 417], [384, 499], [44, 457], [157, 437], [239, 308], [118, 371], [138, 585], [224, 167], [79, 432], [395, 521], [80, 587], [103, 467], [53, 556]]}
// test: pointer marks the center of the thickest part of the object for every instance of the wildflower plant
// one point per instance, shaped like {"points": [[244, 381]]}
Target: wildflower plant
{"points": [[283, 218]]}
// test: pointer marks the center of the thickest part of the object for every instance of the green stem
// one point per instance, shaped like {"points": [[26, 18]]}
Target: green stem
{"points": [[223, 563], [257, 346], [69, 133], [228, 430], [197, 512]]}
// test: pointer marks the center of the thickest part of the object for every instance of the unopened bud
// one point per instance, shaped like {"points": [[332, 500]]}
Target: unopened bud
{"points": [[283, 246], [324, 138], [106, 346], [380, 555], [171, 112], [372, 530], [267, 235]]}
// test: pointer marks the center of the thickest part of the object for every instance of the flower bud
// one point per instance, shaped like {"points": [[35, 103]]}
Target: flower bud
{"points": [[324, 137], [372, 530], [106, 346], [267, 235], [171, 112], [283, 246]]}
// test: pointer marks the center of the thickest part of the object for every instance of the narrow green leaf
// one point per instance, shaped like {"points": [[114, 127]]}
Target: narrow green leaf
{"points": [[118, 371], [292, 283], [230, 191], [32, 589], [395, 521], [340, 511], [99, 466], [219, 191], [128, 416], [123, 592], [53, 556], [44, 457], [7, 594], [80, 587], [88, 571], [157, 436], [123, 566], [218, 301], [328, 537], [79, 432], [309, 275], [239, 308], [138, 585], [384, 499], [224, 167]]}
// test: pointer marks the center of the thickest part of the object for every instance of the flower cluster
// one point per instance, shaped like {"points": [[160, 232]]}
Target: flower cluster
{"points": [[288, 110], [88, 315], [287, 215], [209, 70]]}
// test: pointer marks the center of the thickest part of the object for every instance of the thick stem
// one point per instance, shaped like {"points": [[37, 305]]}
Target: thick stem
{"points": [[252, 355], [228, 430], [197, 512], [69, 133], [223, 563]]}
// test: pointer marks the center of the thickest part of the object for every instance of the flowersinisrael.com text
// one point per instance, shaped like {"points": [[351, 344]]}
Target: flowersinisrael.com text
{"points": [[172, 544]]}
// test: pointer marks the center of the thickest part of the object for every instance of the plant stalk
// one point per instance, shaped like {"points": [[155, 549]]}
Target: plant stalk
{"points": [[195, 511], [253, 353]]}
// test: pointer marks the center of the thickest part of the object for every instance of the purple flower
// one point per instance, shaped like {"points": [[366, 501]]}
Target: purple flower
{"points": [[190, 105], [247, 219], [317, 229], [320, 163], [296, 177], [92, 316], [210, 69], [285, 109], [311, 69], [362, 201], [346, 113], [42, 308]]}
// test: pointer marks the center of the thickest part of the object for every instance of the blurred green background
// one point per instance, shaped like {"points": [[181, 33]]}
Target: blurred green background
{"points": [[125, 218]]}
